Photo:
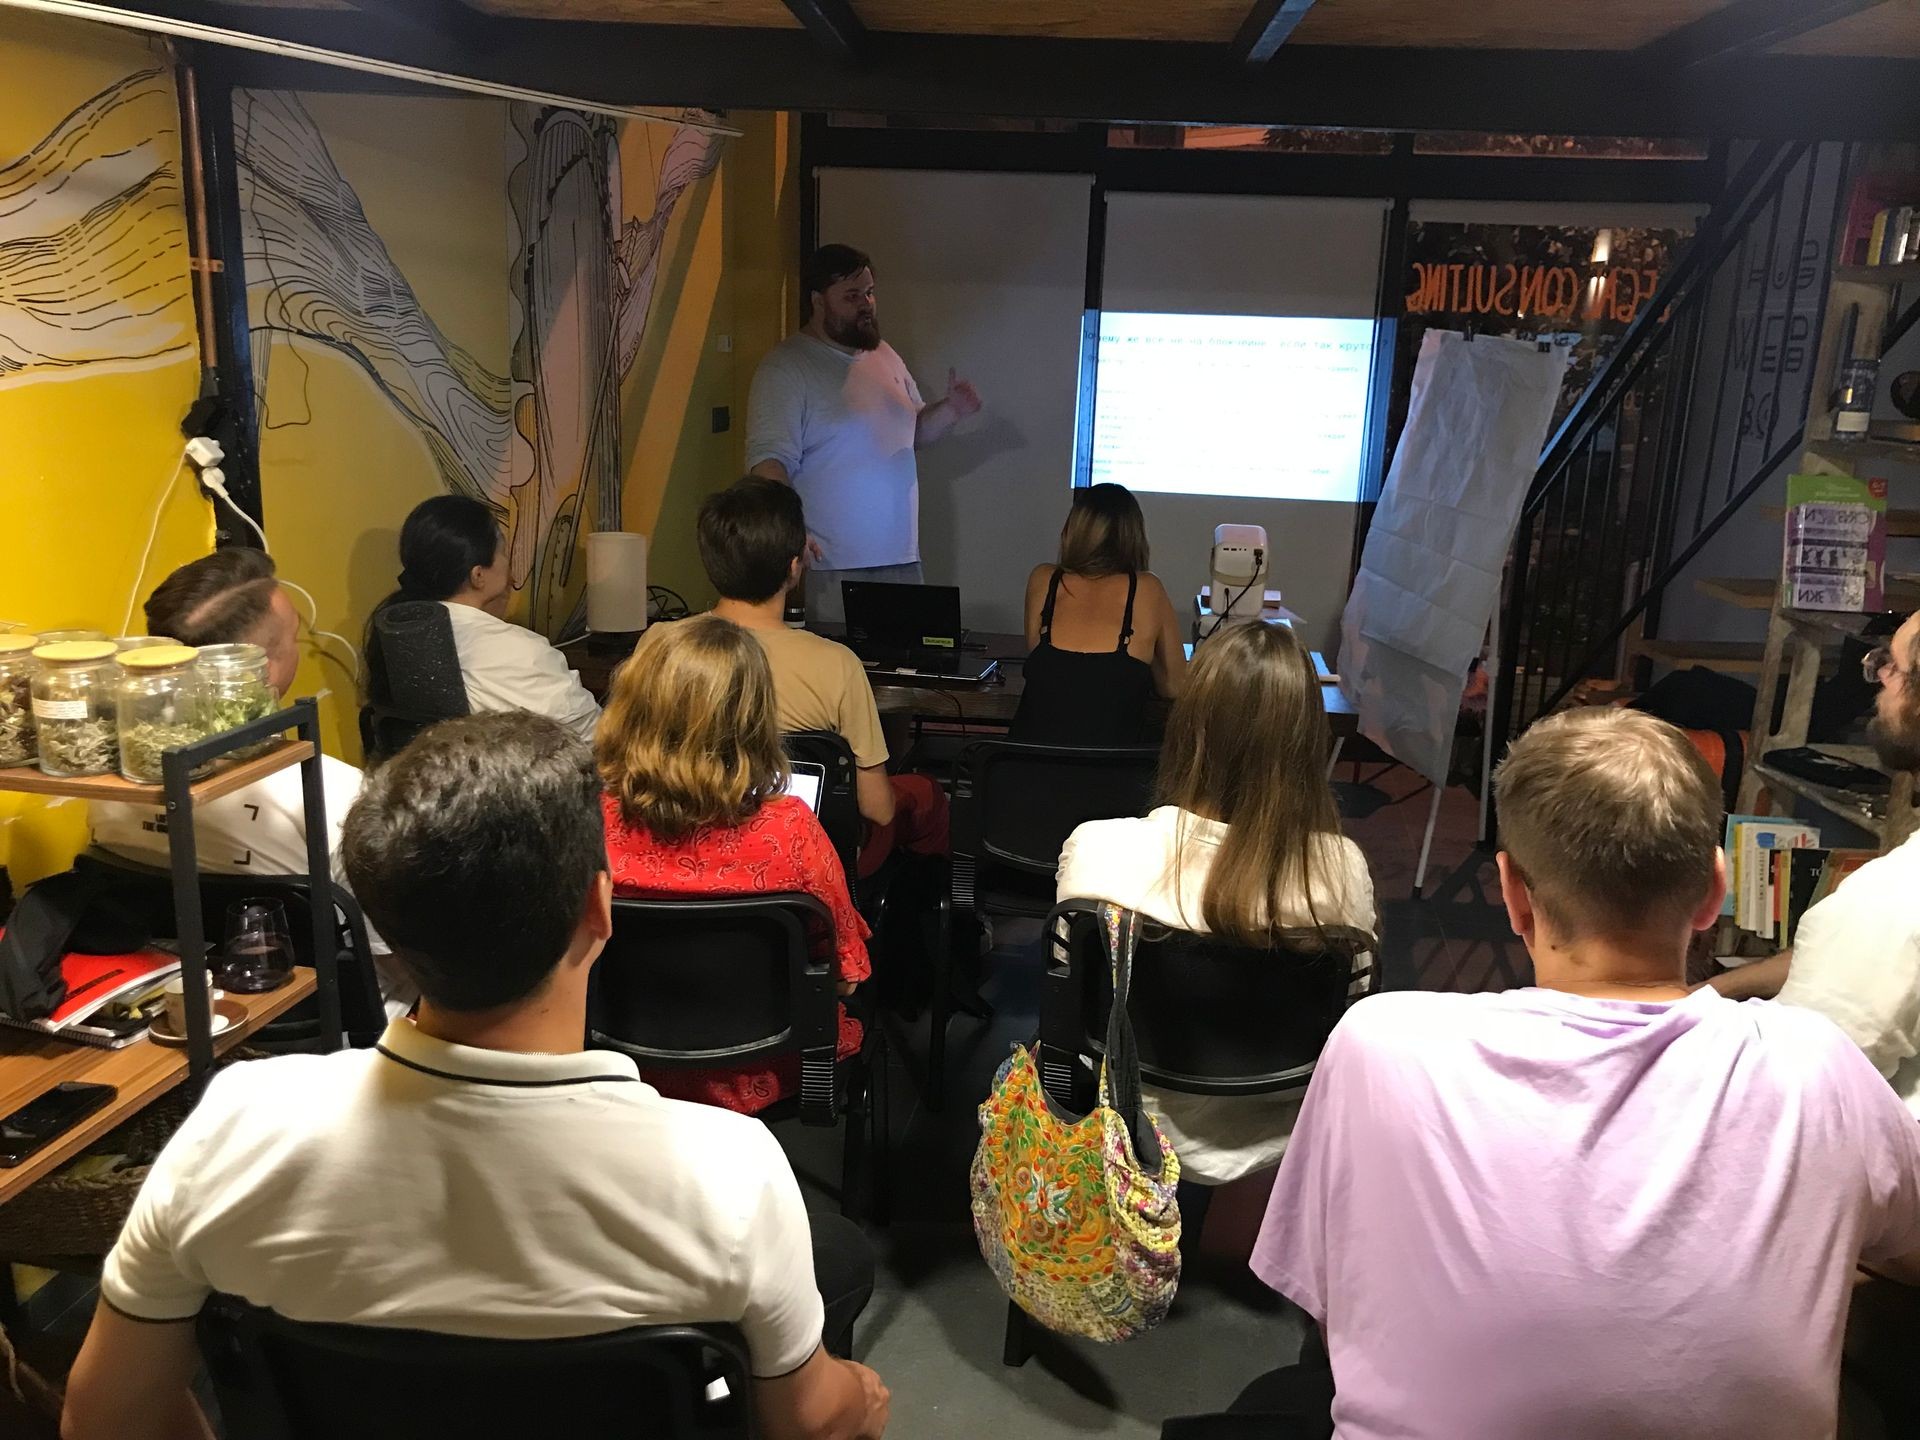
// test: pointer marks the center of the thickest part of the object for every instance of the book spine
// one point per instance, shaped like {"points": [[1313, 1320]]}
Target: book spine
{"points": [[1877, 237]]}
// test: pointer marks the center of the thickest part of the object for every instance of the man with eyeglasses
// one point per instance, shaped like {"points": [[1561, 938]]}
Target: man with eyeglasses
{"points": [[1856, 956]]}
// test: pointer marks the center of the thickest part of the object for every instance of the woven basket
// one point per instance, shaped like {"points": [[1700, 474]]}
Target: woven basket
{"points": [[64, 1219]]}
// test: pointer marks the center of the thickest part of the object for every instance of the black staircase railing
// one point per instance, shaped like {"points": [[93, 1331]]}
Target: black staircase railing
{"points": [[1701, 402]]}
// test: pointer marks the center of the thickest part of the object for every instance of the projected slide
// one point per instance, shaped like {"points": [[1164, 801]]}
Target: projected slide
{"points": [[1255, 406]]}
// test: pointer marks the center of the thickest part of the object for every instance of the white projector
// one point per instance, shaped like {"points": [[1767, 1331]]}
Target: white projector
{"points": [[1239, 585]]}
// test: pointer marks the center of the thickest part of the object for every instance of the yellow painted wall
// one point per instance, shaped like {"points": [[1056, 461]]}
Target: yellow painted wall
{"points": [[340, 468], [430, 174], [88, 456], [731, 259]]}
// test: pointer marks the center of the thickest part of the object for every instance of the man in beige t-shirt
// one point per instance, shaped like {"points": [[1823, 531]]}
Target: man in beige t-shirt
{"points": [[753, 538]]}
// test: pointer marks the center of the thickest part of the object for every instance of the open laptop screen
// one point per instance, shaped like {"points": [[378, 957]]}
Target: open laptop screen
{"points": [[807, 781]]}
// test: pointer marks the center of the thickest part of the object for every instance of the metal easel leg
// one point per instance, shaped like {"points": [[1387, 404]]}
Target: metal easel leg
{"points": [[1339, 744], [1426, 841]]}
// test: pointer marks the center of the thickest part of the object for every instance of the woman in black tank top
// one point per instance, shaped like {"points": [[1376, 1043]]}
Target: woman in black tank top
{"points": [[1099, 697]]}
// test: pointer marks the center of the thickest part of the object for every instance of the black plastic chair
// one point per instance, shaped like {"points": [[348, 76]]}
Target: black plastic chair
{"points": [[718, 982], [1209, 1018], [362, 1012], [1014, 805], [281, 1379], [840, 817], [413, 676]]}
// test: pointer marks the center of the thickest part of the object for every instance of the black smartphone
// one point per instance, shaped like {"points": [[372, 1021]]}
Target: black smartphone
{"points": [[47, 1117]]}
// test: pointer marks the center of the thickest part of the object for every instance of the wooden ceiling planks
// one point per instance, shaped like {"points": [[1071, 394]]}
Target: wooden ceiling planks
{"points": [[1891, 31], [754, 13], [1498, 24]]}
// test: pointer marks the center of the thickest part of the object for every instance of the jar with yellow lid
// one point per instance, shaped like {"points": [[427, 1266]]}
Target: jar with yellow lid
{"points": [[162, 706], [70, 637], [73, 707], [17, 745], [237, 690]]}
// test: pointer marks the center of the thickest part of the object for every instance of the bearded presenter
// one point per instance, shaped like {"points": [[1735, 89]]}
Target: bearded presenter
{"points": [[834, 413]]}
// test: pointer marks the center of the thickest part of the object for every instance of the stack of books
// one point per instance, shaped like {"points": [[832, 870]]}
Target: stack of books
{"points": [[110, 1001], [1777, 871]]}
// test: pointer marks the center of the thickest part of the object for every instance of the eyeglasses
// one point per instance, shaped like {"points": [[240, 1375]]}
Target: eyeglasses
{"points": [[1875, 664]]}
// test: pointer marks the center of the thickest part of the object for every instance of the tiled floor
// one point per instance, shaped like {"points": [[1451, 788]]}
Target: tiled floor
{"points": [[934, 1328]]}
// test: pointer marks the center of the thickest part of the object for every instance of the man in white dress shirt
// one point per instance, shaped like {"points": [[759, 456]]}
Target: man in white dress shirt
{"points": [[835, 413], [1856, 955]]}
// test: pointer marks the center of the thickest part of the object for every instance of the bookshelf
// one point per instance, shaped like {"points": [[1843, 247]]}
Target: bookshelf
{"points": [[1797, 640]]}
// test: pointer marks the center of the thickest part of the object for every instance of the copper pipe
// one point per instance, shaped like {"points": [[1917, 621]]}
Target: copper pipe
{"points": [[201, 259]]}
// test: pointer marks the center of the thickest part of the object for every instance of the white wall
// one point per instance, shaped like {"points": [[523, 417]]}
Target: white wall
{"points": [[986, 274], [1249, 255]]}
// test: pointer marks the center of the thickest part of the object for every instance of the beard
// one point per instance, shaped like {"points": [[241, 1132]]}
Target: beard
{"points": [[1897, 742], [862, 332]]}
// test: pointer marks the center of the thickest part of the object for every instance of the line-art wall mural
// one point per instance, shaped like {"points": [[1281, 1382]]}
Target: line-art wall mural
{"points": [[541, 444], [93, 251]]}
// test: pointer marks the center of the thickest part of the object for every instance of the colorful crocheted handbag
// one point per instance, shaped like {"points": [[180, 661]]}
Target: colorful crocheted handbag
{"points": [[1076, 1216]]}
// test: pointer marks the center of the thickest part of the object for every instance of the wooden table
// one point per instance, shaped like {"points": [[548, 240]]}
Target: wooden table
{"points": [[31, 1065], [992, 702]]}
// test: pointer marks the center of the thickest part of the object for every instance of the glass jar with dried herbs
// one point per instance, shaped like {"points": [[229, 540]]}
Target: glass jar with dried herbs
{"points": [[17, 745], [163, 705], [72, 691], [237, 690]]}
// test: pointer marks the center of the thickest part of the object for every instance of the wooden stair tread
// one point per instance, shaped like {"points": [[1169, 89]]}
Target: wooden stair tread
{"points": [[1734, 655], [1749, 592]]}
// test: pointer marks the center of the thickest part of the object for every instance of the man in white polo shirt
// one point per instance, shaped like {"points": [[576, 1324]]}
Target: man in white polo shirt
{"points": [[478, 1173], [834, 413]]}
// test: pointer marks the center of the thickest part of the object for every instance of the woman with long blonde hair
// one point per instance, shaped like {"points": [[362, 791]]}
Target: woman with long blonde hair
{"points": [[1245, 842], [689, 751]]}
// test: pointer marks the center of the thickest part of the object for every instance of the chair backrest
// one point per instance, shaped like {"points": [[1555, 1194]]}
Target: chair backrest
{"points": [[1015, 804], [280, 1379], [839, 798], [721, 981], [419, 666], [1209, 1018], [362, 1011]]}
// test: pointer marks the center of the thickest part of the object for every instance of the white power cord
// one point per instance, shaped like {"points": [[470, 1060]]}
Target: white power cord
{"points": [[153, 531], [215, 480]]}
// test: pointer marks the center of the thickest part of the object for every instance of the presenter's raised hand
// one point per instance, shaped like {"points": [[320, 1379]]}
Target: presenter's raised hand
{"points": [[814, 553], [961, 395]]}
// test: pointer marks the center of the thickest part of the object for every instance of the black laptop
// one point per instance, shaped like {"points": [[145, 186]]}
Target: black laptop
{"points": [[910, 632]]}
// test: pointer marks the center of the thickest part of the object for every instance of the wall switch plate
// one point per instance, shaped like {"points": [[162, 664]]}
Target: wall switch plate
{"points": [[724, 344], [722, 419]]}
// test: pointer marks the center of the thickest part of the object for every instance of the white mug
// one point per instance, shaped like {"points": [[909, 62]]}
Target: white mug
{"points": [[174, 999]]}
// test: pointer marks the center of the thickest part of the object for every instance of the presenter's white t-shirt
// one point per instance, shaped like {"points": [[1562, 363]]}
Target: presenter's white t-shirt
{"points": [[842, 423]]}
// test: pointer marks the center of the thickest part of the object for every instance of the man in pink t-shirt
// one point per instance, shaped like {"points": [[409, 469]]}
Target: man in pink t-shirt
{"points": [[1602, 1206]]}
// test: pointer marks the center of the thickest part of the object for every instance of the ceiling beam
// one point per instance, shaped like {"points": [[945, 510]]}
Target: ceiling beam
{"points": [[1268, 26], [1746, 28], [450, 19], [835, 28], [1530, 92]]}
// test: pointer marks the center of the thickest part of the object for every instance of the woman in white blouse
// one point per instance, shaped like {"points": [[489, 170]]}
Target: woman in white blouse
{"points": [[1245, 841], [451, 551]]}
